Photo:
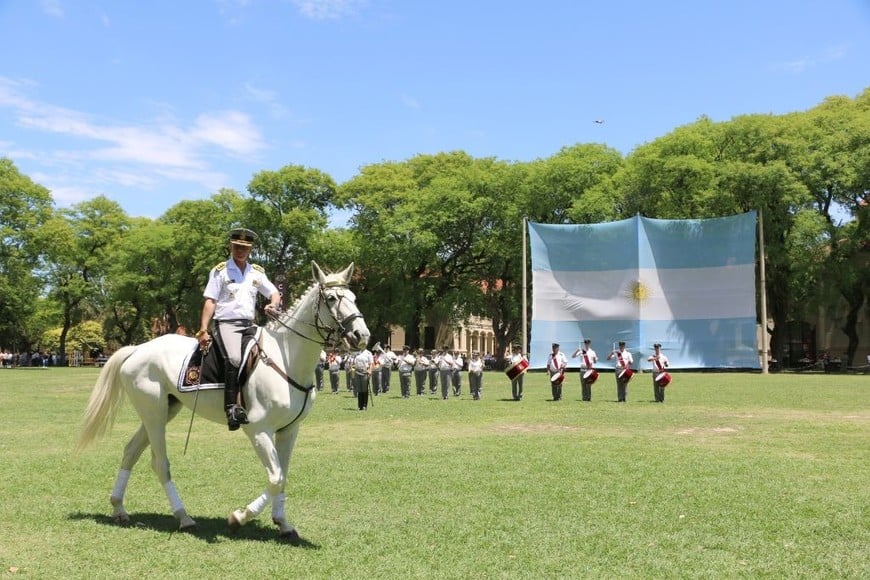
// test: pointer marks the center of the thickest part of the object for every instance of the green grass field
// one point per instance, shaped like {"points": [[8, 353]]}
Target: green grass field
{"points": [[735, 475]]}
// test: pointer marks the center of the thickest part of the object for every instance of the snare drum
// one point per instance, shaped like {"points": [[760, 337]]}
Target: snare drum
{"points": [[625, 375], [590, 376], [517, 368], [663, 379], [558, 378]]}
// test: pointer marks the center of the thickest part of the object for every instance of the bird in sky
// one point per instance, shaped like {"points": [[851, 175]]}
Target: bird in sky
{"points": [[599, 121]]}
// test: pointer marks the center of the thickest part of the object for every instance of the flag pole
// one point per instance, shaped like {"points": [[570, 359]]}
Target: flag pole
{"points": [[525, 290], [761, 269]]}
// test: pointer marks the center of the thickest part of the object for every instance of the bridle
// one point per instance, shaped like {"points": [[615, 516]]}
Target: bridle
{"points": [[325, 335], [326, 330]]}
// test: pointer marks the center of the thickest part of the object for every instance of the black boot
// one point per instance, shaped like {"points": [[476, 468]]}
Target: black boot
{"points": [[236, 415]]}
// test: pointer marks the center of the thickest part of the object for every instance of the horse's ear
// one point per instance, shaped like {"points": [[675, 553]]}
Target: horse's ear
{"points": [[347, 273], [318, 274]]}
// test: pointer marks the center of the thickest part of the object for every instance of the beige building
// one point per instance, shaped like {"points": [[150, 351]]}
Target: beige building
{"points": [[473, 334]]}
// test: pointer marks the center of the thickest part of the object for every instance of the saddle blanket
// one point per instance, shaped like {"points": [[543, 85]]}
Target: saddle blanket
{"points": [[201, 372], [206, 371]]}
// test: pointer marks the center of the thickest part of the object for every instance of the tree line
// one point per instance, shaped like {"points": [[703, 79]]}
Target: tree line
{"points": [[439, 237]]}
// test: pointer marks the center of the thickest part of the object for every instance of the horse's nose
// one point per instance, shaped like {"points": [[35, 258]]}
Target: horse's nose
{"points": [[357, 338]]}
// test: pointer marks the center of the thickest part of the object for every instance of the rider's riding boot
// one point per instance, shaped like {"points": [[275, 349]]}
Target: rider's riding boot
{"points": [[236, 414]]}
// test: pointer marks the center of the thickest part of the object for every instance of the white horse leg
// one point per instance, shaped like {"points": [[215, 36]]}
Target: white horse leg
{"points": [[284, 441], [265, 448], [132, 452], [160, 464]]}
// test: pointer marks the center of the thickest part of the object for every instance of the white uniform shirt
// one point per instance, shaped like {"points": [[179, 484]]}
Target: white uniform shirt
{"points": [[363, 361], [445, 363], [663, 360], [458, 363], [556, 361], [590, 356], [475, 365], [626, 356], [235, 292], [404, 366]]}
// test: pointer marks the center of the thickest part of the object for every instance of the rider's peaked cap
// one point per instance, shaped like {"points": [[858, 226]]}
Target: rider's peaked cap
{"points": [[242, 237]]}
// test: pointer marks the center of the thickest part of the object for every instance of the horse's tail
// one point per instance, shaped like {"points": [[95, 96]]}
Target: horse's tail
{"points": [[105, 401]]}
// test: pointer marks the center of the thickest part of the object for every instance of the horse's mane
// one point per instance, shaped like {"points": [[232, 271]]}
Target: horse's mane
{"points": [[280, 323], [283, 319]]}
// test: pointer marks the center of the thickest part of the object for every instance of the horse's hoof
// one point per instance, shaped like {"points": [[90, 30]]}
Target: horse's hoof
{"points": [[188, 529], [292, 537], [121, 519], [233, 523]]}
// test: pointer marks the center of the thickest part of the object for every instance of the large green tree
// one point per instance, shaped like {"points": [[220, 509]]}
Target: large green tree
{"points": [[24, 208], [78, 243]]}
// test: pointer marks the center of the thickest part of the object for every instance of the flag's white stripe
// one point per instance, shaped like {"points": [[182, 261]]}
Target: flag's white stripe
{"points": [[676, 294]]}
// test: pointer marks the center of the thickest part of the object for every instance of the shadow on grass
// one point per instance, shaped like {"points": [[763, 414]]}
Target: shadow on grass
{"points": [[209, 530]]}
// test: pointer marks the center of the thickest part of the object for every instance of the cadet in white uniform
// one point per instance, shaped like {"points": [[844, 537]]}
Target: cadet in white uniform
{"points": [[231, 300]]}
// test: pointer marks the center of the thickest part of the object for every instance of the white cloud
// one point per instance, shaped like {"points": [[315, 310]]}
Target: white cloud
{"points": [[410, 102], [328, 9], [830, 54], [267, 98], [127, 155], [52, 8]]}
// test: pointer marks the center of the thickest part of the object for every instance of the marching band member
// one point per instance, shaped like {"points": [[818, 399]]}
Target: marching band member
{"points": [[388, 361], [660, 377], [363, 365], [623, 371], [318, 370], [475, 375], [445, 370], [456, 379], [556, 363], [433, 371], [377, 365], [517, 382], [406, 366], [348, 370], [588, 358], [333, 363], [421, 370]]}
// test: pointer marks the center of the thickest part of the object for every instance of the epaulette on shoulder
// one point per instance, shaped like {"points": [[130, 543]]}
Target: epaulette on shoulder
{"points": [[258, 268], [220, 266]]}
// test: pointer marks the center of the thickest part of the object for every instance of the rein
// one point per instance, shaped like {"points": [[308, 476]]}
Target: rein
{"points": [[324, 331]]}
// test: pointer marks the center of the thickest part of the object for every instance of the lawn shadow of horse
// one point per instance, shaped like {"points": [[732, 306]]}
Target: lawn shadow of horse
{"points": [[210, 530]]}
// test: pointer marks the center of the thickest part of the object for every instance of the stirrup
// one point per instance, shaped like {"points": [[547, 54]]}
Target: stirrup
{"points": [[236, 416]]}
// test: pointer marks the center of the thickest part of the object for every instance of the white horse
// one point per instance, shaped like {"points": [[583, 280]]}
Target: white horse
{"points": [[279, 394]]}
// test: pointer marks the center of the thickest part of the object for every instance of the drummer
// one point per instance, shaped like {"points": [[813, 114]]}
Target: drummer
{"points": [[517, 381], [556, 364], [588, 359], [660, 363], [623, 371]]}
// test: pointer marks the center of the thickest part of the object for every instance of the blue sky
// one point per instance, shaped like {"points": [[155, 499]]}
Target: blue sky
{"points": [[150, 103]]}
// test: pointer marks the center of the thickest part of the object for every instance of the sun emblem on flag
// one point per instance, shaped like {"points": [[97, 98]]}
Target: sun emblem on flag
{"points": [[639, 292]]}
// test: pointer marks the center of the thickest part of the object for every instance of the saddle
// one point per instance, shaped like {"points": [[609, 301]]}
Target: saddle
{"points": [[206, 368]]}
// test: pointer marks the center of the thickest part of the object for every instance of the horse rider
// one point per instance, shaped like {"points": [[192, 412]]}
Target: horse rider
{"points": [[231, 301]]}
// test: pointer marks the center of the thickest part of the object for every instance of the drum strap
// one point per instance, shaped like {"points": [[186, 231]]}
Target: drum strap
{"points": [[586, 360], [620, 359], [659, 365]]}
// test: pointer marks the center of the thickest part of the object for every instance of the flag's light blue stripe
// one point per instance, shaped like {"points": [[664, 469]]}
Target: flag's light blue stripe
{"points": [[711, 343], [666, 244], [644, 243], [726, 292]]}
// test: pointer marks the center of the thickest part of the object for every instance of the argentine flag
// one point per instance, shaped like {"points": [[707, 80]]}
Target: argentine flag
{"points": [[687, 284]]}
